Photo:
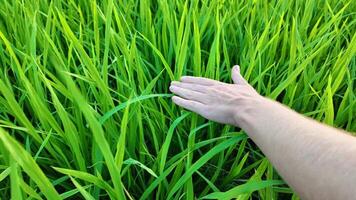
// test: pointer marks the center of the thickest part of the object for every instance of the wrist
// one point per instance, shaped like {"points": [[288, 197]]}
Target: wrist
{"points": [[247, 113]]}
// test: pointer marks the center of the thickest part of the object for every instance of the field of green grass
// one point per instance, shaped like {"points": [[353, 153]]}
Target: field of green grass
{"points": [[85, 111]]}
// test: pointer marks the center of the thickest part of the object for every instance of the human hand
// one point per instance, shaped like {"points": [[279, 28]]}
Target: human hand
{"points": [[217, 101]]}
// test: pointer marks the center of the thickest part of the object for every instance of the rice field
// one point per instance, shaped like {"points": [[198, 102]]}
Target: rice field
{"points": [[85, 110]]}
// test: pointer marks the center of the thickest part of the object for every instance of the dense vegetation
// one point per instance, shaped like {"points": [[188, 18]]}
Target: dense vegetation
{"points": [[85, 110]]}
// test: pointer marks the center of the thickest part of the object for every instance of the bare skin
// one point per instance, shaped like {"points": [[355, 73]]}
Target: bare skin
{"points": [[316, 160]]}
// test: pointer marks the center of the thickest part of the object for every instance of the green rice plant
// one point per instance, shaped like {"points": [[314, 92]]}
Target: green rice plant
{"points": [[85, 111]]}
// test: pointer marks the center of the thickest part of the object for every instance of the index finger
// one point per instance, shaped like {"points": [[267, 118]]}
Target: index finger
{"points": [[198, 80]]}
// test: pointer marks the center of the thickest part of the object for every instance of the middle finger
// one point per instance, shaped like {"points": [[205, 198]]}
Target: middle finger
{"points": [[187, 94]]}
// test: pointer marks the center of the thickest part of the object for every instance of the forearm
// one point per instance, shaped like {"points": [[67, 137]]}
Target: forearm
{"points": [[317, 161]]}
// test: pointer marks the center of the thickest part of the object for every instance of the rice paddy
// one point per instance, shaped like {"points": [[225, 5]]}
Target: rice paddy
{"points": [[85, 110]]}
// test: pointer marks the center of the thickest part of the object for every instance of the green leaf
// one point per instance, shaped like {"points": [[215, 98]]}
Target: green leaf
{"points": [[28, 164]]}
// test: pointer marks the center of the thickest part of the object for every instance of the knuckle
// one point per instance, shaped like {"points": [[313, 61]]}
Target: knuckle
{"points": [[211, 89], [217, 88]]}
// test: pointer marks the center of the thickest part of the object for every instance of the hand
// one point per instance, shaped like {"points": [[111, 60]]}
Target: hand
{"points": [[214, 100]]}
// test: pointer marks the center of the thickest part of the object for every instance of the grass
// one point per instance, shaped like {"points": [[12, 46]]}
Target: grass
{"points": [[85, 111]]}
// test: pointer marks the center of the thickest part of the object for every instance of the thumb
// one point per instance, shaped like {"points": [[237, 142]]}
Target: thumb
{"points": [[236, 76]]}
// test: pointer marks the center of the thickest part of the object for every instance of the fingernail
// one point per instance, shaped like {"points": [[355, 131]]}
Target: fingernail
{"points": [[174, 99]]}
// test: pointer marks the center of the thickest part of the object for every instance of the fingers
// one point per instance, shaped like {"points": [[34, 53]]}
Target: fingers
{"points": [[198, 80], [190, 86], [189, 104], [237, 77], [187, 93]]}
